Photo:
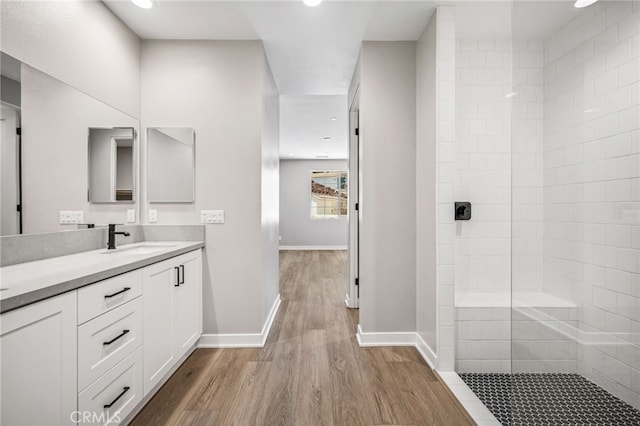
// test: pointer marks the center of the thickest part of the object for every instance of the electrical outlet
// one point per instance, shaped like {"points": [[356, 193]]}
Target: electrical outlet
{"points": [[71, 216], [131, 215], [211, 216], [153, 215]]}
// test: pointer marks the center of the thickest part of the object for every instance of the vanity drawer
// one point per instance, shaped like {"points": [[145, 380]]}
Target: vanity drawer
{"points": [[107, 340], [96, 299], [110, 399]]}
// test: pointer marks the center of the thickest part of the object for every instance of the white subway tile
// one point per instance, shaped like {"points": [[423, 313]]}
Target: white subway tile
{"points": [[628, 260], [618, 145], [629, 120], [629, 73], [469, 45], [607, 126], [605, 40], [629, 26], [617, 10], [629, 166], [618, 190]]}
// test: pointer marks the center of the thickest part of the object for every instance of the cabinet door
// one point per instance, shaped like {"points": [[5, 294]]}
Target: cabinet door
{"points": [[188, 302], [39, 363], [158, 330]]}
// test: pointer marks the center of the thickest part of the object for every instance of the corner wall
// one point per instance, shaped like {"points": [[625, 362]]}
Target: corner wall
{"points": [[221, 89], [388, 167], [426, 107], [445, 136]]}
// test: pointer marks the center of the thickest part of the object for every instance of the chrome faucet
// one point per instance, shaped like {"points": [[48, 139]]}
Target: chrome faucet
{"points": [[111, 244]]}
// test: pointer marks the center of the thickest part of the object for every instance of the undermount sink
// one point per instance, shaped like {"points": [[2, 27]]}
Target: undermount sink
{"points": [[140, 249]]}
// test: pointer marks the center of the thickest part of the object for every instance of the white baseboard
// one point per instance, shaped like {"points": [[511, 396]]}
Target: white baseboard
{"points": [[248, 340], [410, 338], [313, 247], [350, 303], [426, 352], [385, 339]]}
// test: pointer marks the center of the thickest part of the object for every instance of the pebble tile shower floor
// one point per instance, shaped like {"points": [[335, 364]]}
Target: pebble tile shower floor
{"points": [[549, 399]]}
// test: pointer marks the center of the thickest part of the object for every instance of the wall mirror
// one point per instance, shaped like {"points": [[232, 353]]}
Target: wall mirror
{"points": [[111, 165], [170, 164], [44, 165]]}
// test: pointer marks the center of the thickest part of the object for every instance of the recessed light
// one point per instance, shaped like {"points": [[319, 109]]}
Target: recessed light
{"points": [[583, 3], [511, 95], [333, 118], [144, 4], [290, 154], [312, 3], [327, 138]]}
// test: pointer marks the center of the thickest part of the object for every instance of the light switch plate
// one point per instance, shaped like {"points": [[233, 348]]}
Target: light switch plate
{"points": [[211, 216], [71, 216], [153, 215], [131, 215]]}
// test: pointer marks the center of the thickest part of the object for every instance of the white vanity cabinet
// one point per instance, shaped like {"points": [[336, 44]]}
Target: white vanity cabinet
{"points": [[92, 355], [109, 349], [172, 313], [39, 362]]}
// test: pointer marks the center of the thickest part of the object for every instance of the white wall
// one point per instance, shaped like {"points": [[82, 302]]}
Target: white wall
{"points": [[78, 42], [297, 229], [270, 188], [388, 165], [426, 107], [218, 88], [592, 186]]}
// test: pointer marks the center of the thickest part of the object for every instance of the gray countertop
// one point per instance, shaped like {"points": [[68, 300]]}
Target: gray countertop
{"points": [[31, 282]]}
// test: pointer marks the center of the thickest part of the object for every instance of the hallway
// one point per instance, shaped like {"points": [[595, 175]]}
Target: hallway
{"points": [[311, 371]]}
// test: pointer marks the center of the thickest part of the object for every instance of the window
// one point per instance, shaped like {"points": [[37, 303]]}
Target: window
{"points": [[329, 194]]}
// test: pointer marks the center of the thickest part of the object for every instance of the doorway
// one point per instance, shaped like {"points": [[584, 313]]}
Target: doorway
{"points": [[11, 187], [352, 299]]}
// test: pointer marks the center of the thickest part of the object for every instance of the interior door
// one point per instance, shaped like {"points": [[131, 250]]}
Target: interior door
{"points": [[10, 170]]}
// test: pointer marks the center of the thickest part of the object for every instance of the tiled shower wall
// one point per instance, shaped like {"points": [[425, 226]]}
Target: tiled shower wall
{"points": [[499, 123], [592, 188], [483, 164]]}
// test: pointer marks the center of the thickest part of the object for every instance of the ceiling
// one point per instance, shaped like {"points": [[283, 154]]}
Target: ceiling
{"points": [[306, 122], [312, 51]]}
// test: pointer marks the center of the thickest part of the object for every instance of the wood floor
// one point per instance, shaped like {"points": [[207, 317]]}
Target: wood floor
{"points": [[310, 372]]}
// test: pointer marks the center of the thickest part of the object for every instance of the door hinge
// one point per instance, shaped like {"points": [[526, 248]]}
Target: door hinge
{"points": [[358, 282], [19, 131], [19, 207], [357, 206], [357, 131]]}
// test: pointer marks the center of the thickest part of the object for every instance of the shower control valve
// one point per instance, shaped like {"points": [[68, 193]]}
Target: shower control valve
{"points": [[462, 210]]}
